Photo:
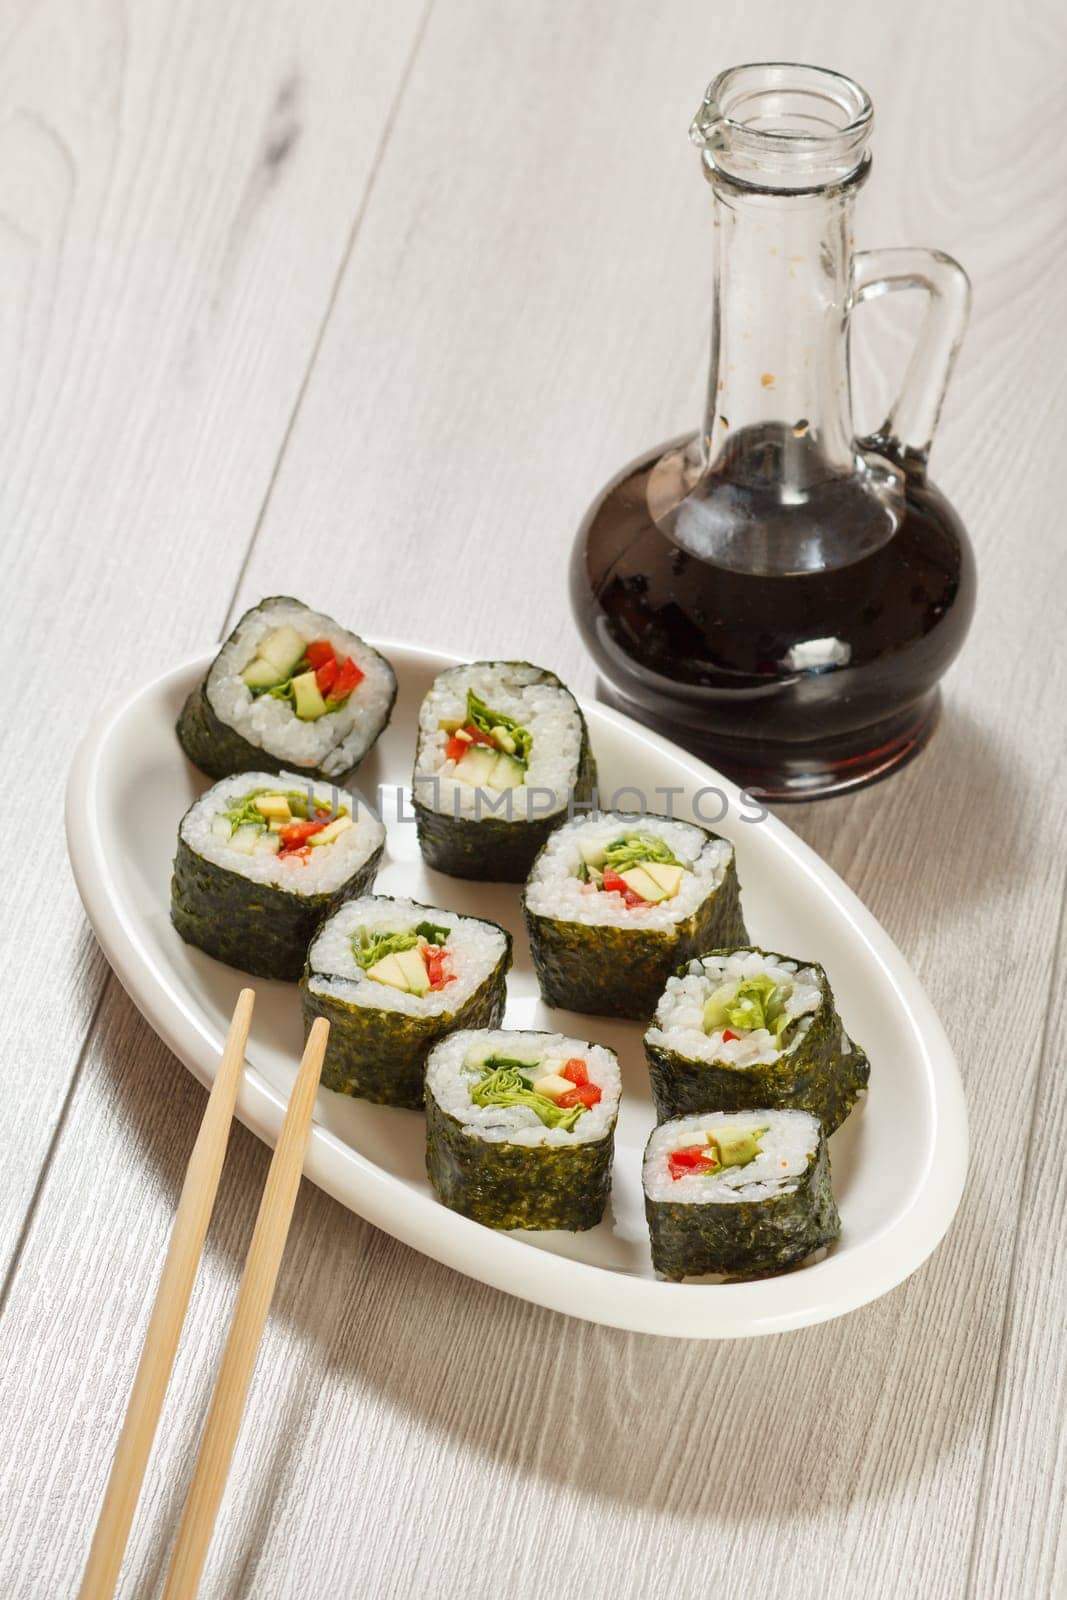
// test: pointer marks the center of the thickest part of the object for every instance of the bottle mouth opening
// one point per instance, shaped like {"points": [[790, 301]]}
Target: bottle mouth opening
{"points": [[782, 126]]}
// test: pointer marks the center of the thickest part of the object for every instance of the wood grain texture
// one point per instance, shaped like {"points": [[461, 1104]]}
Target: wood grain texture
{"points": [[524, 307], [168, 175]]}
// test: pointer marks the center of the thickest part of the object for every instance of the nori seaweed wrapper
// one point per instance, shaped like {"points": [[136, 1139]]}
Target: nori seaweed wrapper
{"points": [[746, 1238], [220, 751], [620, 972], [517, 1186], [379, 1054], [825, 1073], [489, 848], [257, 927]]}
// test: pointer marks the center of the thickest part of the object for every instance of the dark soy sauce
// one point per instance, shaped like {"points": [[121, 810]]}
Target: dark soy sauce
{"points": [[793, 642]]}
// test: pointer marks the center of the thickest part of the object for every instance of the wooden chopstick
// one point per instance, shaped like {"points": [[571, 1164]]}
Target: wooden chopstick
{"points": [[250, 1313], [168, 1314]]}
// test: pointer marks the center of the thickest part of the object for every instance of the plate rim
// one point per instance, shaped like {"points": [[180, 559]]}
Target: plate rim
{"points": [[560, 1283]]}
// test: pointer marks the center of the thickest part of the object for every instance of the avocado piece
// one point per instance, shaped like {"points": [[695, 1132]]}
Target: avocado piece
{"points": [[413, 967], [388, 970], [552, 1085], [275, 807], [331, 831], [306, 697], [736, 1146], [283, 648], [667, 876], [475, 765], [503, 740], [637, 879], [507, 773], [263, 674], [593, 854]]}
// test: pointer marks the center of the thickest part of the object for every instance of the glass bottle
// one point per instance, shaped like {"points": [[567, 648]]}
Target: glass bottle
{"points": [[773, 593]]}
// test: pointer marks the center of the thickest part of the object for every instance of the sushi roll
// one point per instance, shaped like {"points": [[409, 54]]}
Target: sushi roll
{"points": [[392, 977], [616, 902], [737, 1197], [262, 859], [290, 688], [502, 750], [520, 1127], [743, 1028]]}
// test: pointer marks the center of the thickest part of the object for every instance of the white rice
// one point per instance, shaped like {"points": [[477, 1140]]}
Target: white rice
{"points": [[336, 741], [679, 1021], [548, 711], [474, 948], [449, 1080], [329, 866], [553, 890], [791, 1140]]}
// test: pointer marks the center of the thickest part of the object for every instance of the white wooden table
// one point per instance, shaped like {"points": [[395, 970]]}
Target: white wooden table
{"points": [[363, 302]]}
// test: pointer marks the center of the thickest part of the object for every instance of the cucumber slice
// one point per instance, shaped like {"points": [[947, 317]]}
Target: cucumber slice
{"points": [[476, 765], [593, 854], [507, 773], [268, 844], [245, 838], [220, 827], [283, 648], [262, 674]]}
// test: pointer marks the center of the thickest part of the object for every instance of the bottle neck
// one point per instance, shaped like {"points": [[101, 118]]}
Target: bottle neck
{"points": [[779, 403]]}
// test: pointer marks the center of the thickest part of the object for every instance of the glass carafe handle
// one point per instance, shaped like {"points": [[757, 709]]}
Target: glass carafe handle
{"points": [[908, 430]]}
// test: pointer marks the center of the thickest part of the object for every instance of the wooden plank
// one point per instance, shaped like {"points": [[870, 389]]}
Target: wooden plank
{"points": [[177, 193], [1020, 1546], [524, 308]]}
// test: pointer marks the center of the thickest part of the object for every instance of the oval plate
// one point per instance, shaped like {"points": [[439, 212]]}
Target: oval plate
{"points": [[898, 1163]]}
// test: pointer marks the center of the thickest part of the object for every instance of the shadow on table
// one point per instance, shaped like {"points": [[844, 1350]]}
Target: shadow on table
{"points": [[970, 816]]}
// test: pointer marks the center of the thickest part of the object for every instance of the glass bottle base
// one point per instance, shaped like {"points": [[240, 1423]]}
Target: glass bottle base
{"points": [[782, 772]]}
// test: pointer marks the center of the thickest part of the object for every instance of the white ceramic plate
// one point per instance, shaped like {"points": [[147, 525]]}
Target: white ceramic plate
{"points": [[898, 1163]]}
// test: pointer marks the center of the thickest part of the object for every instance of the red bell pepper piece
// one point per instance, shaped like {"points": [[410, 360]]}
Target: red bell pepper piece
{"points": [[303, 853], [296, 834], [727, 1034], [436, 963], [694, 1158], [455, 748], [576, 1071], [318, 652], [326, 675], [584, 1094], [613, 884], [348, 678]]}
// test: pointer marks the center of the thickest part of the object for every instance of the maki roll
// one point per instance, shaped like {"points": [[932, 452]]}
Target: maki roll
{"points": [[520, 1128], [615, 902], [502, 751], [743, 1028], [290, 688], [392, 977], [737, 1198], [262, 860]]}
